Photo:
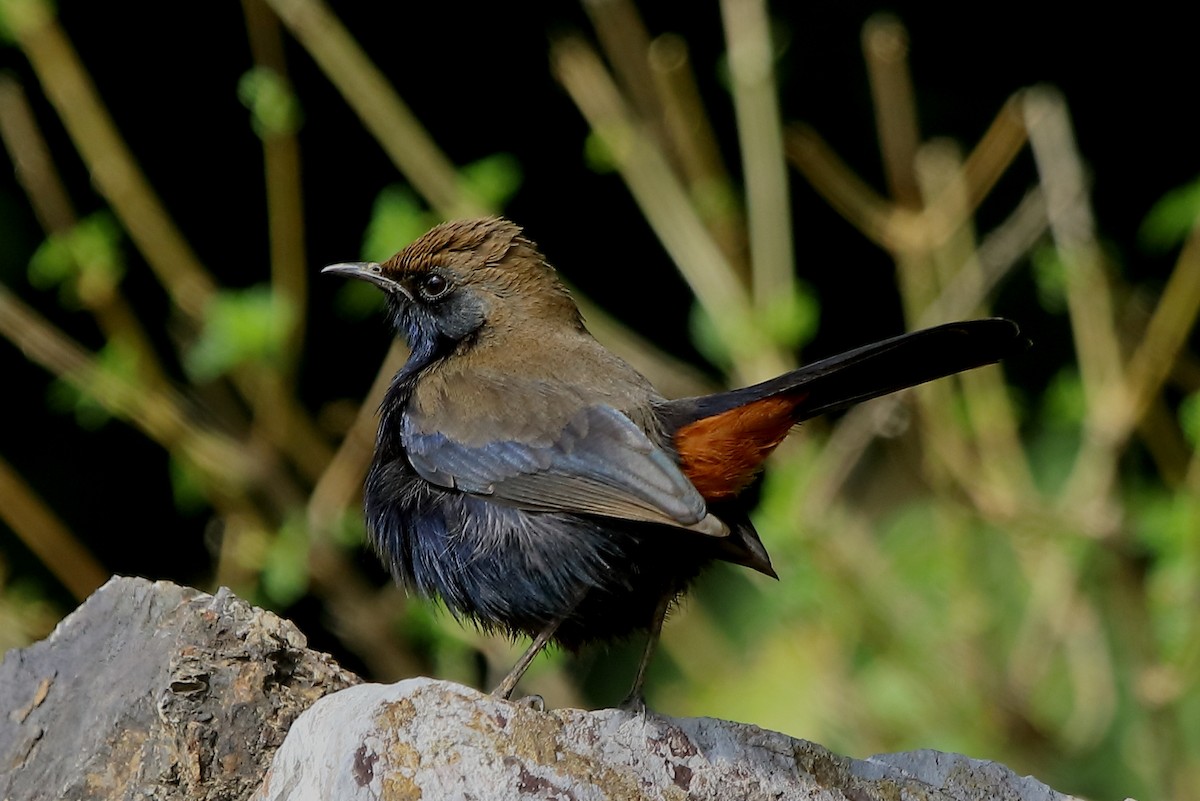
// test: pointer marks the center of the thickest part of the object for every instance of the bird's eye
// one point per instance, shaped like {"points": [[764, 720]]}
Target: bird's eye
{"points": [[433, 286]]}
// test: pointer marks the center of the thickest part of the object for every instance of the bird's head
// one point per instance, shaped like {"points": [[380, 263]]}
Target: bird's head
{"points": [[466, 279]]}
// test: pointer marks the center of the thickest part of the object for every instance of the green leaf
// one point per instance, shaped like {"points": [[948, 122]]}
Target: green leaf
{"points": [[274, 107], [598, 155], [708, 339], [187, 486], [397, 218], [350, 532], [285, 568], [358, 300], [64, 396], [1171, 219], [17, 16], [1189, 418], [85, 260], [1049, 274], [493, 180], [240, 326], [1064, 401], [791, 319]]}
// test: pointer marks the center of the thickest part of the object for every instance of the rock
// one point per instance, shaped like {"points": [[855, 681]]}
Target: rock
{"points": [[151, 690], [428, 739]]}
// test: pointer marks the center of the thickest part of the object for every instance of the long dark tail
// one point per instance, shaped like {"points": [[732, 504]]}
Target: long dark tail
{"points": [[722, 439], [866, 372]]}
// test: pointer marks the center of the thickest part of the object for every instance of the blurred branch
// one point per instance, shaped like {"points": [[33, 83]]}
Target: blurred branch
{"points": [[1166, 334], [936, 167], [47, 536], [885, 46], [1000, 252], [31, 159], [626, 42], [116, 174], [666, 206], [381, 110], [872, 214], [996, 451], [342, 480], [1074, 230], [760, 134], [113, 168], [1090, 307], [656, 76], [158, 413], [991, 157], [285, 196], [693, 144], [37, 175], [892, 226]]}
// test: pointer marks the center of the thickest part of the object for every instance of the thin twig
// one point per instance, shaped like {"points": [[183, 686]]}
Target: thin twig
{"points": [[1166, 334], [38, 177], [760, 136], [626, 43], [47, 536], [113, 167], [666, 206], [885, 46], [876, 217], [285, 206], [376, 103], [158, 413], [996, 444], [1090, 307], [693, 145], [890, 225], [999, 253], [31, 159]]}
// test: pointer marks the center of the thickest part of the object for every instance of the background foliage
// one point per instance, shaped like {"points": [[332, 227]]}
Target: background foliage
{"points": [[1004, 564]]}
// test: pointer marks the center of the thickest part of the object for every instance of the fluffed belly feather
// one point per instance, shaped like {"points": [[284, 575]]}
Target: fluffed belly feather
{"points": [[518, 571]]}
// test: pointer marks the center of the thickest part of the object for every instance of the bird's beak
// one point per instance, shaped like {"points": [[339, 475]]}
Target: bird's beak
{"points": [[369, 271]]}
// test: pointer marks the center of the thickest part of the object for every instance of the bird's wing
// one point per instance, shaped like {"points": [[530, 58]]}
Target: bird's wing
{"points": [[600, 463]]}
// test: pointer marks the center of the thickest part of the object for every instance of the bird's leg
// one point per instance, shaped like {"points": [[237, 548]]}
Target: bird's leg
{"points": [[636, 700], [509, 684]]}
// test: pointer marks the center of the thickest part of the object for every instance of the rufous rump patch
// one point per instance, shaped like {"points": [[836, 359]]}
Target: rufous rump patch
{"points": [[721, 454]]}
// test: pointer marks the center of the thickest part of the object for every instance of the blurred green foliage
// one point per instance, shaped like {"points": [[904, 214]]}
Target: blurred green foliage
{"points": [[1012, 575], [274, 108], [1171, 219], [241, 326]]}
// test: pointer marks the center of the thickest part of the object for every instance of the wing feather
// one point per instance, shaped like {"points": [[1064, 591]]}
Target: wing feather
{"points": [[601, 463]]}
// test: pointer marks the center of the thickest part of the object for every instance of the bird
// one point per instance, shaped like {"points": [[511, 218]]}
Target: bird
{"points": [[539, 485]]}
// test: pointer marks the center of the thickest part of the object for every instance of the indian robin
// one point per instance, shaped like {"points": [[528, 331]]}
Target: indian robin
{"points": [[539, 485]]}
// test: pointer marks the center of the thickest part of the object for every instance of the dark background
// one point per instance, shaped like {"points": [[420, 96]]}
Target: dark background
{"points": [[478, 77]]}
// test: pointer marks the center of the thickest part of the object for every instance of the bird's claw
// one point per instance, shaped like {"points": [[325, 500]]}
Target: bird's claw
{"points": [[636, 703], [535, 702]]}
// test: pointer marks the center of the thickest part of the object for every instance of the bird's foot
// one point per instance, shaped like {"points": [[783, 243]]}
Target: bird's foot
{"points": [[635, 702], [535, 702]]}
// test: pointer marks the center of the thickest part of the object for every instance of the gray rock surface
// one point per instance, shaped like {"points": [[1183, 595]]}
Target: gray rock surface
{"points": [[428, 739], [151, 690]]}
